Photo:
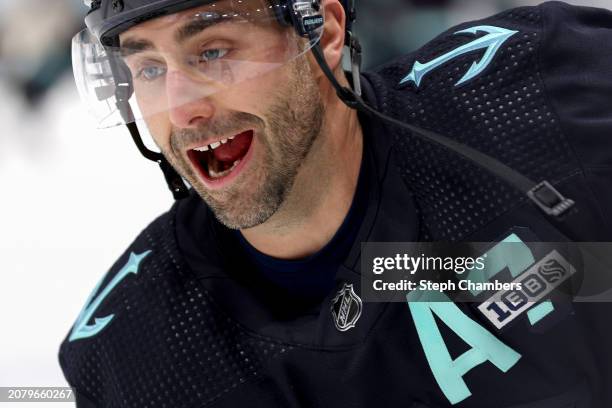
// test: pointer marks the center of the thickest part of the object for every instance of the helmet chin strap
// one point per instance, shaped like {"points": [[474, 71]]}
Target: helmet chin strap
{"points": [[543, 194], [123, 91], [173, 179], [352, 98]]}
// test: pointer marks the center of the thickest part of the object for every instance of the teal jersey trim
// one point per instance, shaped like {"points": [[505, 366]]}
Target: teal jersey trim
{"points": [[83, 330], [540, 311], [492, 42], [448, 372]]}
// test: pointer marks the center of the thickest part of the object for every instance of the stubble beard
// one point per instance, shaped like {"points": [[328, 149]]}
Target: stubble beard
{"points": [[284, 139]]}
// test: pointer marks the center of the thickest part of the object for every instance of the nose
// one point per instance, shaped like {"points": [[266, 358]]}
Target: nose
{"points": [[188, 104]]}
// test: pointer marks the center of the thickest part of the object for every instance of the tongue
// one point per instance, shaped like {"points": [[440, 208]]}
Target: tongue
{"points": [[234, 149]]}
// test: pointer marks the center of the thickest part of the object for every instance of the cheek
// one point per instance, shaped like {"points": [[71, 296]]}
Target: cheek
{"points": [[159, 129], [150, 98], [256, 96], [245, 97]]}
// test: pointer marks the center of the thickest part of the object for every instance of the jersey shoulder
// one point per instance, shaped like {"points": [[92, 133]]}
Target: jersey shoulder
{"points": [[508, 86], [114, 310], [151, 331]]}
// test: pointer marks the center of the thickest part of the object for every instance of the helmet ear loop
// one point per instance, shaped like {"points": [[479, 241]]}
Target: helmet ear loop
{"points": [[350, 97], [123, 91]]}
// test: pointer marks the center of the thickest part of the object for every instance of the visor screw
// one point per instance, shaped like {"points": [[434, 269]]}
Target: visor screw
{"points": [[118, 6]]}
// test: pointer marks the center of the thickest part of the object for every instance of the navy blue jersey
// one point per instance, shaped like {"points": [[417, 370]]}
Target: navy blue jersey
{"points": [[181, 321]]}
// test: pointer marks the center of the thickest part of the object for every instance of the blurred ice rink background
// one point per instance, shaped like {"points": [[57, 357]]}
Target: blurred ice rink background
{"points": [[72, 197]]}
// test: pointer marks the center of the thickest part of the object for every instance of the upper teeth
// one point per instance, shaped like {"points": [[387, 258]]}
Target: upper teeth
{"points": [[214, 145]]}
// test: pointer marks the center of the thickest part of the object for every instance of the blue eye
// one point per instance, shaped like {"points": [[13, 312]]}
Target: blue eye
{"points": [[151, 72], [213, 54]]}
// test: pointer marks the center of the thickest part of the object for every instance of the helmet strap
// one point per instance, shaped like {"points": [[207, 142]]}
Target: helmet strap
{"points": [[173, 179], [123, 91], [350, 97]]}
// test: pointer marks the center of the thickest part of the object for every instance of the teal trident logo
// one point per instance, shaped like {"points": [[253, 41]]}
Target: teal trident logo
{"points": [[492, 42], [83, 330]]}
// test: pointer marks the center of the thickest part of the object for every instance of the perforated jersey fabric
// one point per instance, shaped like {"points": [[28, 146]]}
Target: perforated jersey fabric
{"points": [[193, 328], [190, 343], [505, 113]]}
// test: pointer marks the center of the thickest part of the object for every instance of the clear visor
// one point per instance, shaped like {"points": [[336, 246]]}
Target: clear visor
{"points": [[172, 61]]}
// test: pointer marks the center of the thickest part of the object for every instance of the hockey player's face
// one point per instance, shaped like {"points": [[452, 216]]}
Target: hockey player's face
{"points": [[255, 145], [240, 148]]}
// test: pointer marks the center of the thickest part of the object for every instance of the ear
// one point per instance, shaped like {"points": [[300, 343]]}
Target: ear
{"points": [[332, 41]]}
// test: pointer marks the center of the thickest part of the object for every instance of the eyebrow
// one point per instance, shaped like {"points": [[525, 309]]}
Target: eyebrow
{"points": [[134, 46], [198, 25]]}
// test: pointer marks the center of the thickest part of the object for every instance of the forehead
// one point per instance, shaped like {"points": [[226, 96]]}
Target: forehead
{"points": [[214, 12]]}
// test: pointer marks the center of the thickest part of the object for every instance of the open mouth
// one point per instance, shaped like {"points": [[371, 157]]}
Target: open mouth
{"points": [[222, 159]]}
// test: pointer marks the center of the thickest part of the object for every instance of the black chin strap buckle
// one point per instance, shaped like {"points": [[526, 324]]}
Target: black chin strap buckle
{"points": [[550, 200], [174, 181]]}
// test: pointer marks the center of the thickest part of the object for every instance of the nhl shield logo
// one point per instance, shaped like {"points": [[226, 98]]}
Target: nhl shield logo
{"points": [[346, 308]]}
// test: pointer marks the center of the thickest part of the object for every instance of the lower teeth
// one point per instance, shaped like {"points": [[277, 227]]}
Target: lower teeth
{"points": [[214, 174]]}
